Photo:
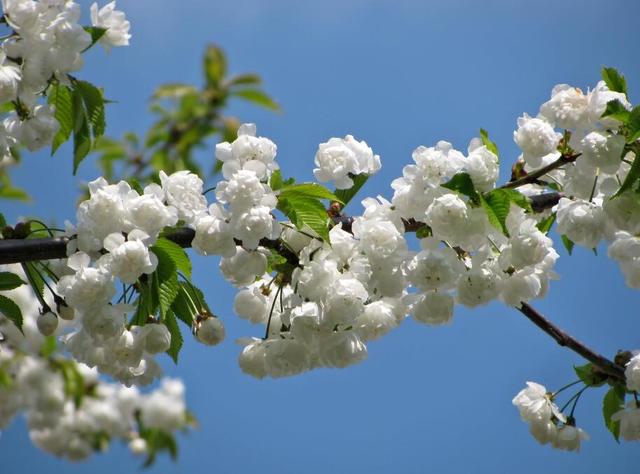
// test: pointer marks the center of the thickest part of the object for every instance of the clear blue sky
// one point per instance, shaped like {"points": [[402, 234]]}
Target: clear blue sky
{"points": [[398, 74]]}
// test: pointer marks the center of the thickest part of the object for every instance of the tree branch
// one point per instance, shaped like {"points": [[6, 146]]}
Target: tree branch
{"points": [[534, 175], [605, 365]]}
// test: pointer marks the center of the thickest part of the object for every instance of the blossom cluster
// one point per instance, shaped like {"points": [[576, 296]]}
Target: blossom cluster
{"points": [[74, 425], [46, 46]]}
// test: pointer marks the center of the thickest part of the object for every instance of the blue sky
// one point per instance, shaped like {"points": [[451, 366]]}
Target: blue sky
{"points": [[397, 74]]}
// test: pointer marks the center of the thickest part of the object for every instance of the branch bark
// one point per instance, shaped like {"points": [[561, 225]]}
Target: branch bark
{"points": [[605, 365], [534, 175]]}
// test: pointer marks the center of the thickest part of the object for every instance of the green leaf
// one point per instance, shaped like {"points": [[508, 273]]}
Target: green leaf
{"points": [[423, 232], [9, 281], [35, 277], [176, 337], [346, 195], [177, 255], [497, 204], [611, 403], [634, 125], [568, 243], [215, 65], [183, 306], [491, 146], [165, 279], [3, 221], [48, 346], [632, 176], [305, 211], [614, 80], [589, 375], [276, 182], [245, 79], [462, 183], [93, 100], [616, 110], [60, 97], [158, 441], [73, 380], [81, 133], [257, 97], [12, 192], [96, 33], [545, 224], [11, 311], [173, 91], [307, 190]]}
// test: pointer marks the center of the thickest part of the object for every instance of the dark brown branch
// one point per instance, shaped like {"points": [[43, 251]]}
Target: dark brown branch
{"points": [[605, 365], [29, 250], [534, 175]]}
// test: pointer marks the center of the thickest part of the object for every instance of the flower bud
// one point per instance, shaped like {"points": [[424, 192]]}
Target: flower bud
{"points": [[209, 331], [47, 323], [65, 311], [157, 338]]}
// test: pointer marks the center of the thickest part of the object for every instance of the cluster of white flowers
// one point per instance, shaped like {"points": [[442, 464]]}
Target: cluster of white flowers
{"points": [[115, 228], [38, 385], [340, 159], [47, 45], [546, 422], [589, 213]]}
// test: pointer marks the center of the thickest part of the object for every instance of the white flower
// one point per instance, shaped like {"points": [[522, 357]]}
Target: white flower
{"points": [[434, 308], [567, 107], [625, 249], [534, 403], [148, 213], [632, 373], [434, 268], [38, 130], [243, 191], [581, 221], [242, 268], [129, 259], [210, 331], [602, 150], [482, 165], [252, 359], [247, 152], [114, 21], [598, 99], [252, 304], [448, 216], [89, 287], [339, 157], [568, 438], [376, 320], [478, 286], [183, 190], [254, 224], [285, 357], [629, 418], [537, 138], [344, 302], [10, 77], [165, 408], [341, 349], [106, 322], [214, 235]]}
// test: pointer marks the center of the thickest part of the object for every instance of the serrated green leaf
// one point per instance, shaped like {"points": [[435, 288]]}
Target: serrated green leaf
{"points": [[81, 132], [568, 243], [183, 306], [176, 336], [158, 441], [307, 190], [61, 98], [165, 279], [614, 80], [497, 204], [632, 177], [258, 97], [492, 215], [633, 124], [491, 146], [93, 101], [545, 224], [9, 281], [304, 211], [612, 402], [11, 311], [177, 254], [617, 111], [346, 195], [462, 183]]}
